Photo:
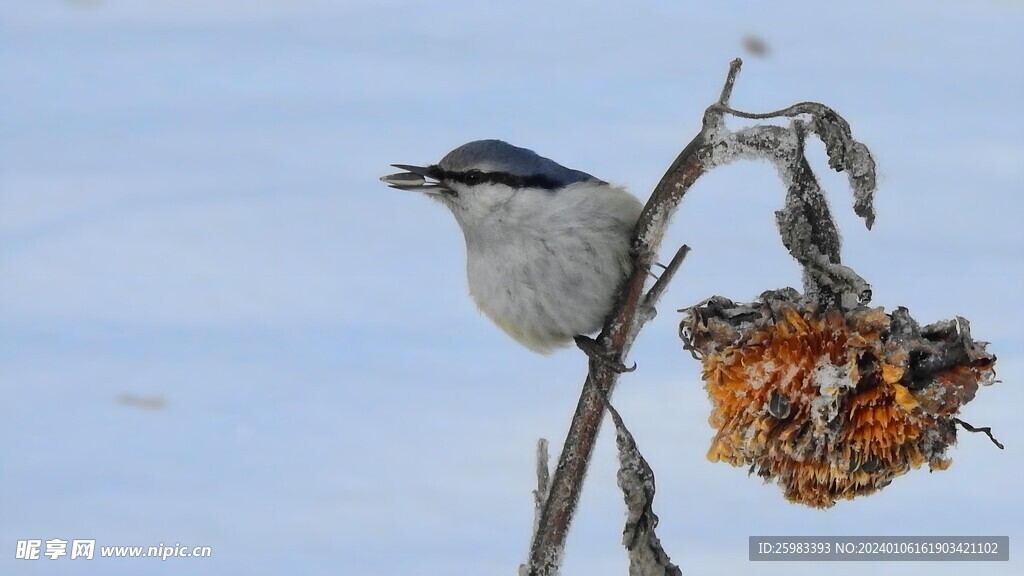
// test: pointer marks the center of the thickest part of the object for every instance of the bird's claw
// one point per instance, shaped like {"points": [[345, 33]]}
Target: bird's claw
{"points": [[595, 352]]}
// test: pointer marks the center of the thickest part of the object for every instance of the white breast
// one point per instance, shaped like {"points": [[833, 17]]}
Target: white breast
{"points": [[546, 266]]}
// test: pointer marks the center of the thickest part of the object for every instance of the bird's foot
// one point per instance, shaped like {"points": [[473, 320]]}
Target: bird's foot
{"points": [[656, 276], [595, 352]]}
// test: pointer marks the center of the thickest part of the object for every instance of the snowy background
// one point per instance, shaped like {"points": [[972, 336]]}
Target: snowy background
{"points": [[218, 328]]}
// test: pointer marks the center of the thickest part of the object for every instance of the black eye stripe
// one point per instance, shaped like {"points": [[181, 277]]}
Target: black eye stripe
{"points": [[472, 177]]}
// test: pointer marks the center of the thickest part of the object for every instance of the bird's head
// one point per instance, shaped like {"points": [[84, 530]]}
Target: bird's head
{"points": [[477, 178]]}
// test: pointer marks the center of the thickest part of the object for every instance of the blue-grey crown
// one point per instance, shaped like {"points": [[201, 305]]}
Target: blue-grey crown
{"points": [[498, 161]]}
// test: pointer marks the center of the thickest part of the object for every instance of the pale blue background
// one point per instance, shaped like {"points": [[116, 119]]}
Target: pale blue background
{"points": [[189, 210]]}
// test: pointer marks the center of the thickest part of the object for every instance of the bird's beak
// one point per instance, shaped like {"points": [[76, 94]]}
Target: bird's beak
{"points": [[415, 178]]}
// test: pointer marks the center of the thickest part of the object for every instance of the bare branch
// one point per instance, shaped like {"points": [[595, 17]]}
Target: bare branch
{"points": [[806, 213], [546, 549], [661, 284], [616, 338], [730, 82]]}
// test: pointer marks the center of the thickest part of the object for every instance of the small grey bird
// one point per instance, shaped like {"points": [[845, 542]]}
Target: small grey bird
{"points": [[546, 246]]}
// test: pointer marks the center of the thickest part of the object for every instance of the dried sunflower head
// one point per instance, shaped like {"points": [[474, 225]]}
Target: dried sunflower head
{"points": [[831, 404]]}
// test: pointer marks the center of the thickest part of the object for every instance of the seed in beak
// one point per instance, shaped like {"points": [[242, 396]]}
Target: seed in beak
{"points": [[404, 180]]}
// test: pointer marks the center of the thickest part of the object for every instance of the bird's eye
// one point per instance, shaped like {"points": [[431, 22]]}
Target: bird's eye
{"points": [[474, 177]]}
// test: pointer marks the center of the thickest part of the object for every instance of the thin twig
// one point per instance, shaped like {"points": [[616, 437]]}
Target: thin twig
{"points": [[730, 81], [661, 284]]}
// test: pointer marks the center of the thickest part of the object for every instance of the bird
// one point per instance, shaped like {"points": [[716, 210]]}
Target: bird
{"points": [[547, 247]]}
